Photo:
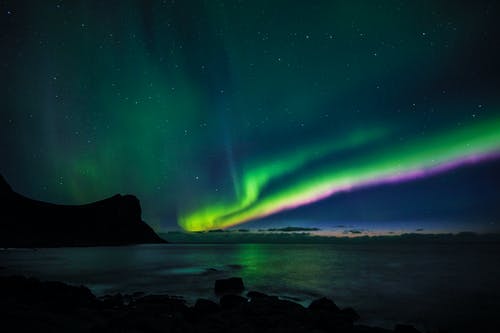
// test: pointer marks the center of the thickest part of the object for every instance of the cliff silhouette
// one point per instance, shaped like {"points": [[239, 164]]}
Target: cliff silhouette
{"points": [[25, 222]]}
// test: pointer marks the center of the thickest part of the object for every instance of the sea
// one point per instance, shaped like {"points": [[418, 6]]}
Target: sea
{"points": [[447, 287]]}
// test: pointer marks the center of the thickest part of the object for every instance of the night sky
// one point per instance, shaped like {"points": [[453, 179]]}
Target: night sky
{"points": [[377, 115]]}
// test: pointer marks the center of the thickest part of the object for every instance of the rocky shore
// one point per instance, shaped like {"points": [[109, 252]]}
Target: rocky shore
{"points": [[30, 305]]}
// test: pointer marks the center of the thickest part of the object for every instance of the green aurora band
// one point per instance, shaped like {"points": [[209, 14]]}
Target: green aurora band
{"points": [[306, 183]]}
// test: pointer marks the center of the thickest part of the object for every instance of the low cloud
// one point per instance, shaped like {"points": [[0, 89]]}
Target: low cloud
{"points": [[292, 229]]}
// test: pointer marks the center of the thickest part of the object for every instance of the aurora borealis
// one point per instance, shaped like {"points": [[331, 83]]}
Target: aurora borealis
{"points": [[217, 113], [421, 159]]}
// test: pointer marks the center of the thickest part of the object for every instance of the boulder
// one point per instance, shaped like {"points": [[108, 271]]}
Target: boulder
{"points": [[112, 301], [324, 304], [369, 329], [350, 314], [161, 304], [51, 294], [231, 285], [205, 306], [232, 301], [401, 328]]}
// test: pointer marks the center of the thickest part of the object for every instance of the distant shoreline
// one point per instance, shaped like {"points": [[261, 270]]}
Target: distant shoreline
{"points": [[235, 237]]}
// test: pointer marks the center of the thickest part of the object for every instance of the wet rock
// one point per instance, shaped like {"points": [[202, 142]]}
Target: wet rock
{"points": [[112, 301], [138, 294], [272, 305], [55, 295], [324, 304], [369, 329], [350, 313], [401, 328], [231, 285], [232, 301], [205, 306], [160, 304], [127, 299]]}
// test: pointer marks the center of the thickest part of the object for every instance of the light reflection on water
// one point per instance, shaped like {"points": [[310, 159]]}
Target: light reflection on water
{"points": [[424, 284]]}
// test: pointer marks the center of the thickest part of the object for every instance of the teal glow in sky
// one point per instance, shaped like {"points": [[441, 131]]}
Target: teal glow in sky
{"points": [[216, 113]]}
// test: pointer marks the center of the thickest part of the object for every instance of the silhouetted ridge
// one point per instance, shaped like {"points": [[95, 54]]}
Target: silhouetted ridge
{"points": [[26, 222], [4, 186]]}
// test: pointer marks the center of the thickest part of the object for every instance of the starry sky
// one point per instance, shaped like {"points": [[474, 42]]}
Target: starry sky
{"points": [[376, 115]]}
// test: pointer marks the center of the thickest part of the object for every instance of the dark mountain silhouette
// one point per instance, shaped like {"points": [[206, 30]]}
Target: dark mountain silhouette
{"points": [[26, 222]]}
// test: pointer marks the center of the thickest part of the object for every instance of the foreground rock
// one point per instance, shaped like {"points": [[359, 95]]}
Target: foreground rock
{"points": [[26, 222], [28, 305], [231, 285]]}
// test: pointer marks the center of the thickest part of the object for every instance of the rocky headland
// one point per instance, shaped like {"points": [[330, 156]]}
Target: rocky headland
{"points": [[25, 222]]}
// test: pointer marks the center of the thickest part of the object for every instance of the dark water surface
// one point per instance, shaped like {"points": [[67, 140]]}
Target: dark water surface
{"points": [[453, 286]]}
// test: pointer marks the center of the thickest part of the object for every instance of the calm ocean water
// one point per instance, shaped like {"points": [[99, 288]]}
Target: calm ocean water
{"points": [[432, 286]]}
